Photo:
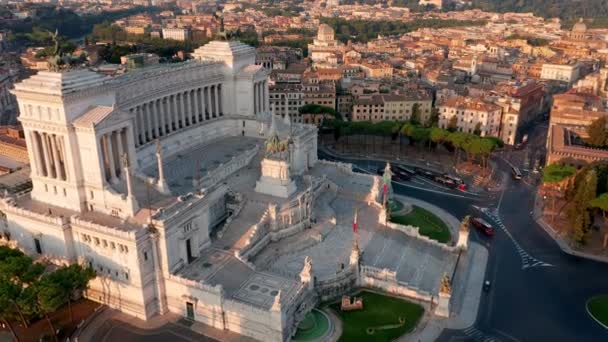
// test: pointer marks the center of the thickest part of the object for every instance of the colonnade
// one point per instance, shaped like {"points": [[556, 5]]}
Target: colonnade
{"points": [[114, 146], [49, 155], [260, 97], [173, 112]]}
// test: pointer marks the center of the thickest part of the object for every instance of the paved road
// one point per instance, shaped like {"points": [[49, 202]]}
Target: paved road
{"points": [[538, 292], [114, 330]]}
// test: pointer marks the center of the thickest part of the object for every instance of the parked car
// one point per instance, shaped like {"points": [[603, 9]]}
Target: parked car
{"points": [[401, 176], [403, 169], [445, 181], [483, 226], [456, 180]]}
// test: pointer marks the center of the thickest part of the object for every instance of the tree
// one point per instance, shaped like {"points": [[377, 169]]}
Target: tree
{"points": [[578, 213], [601, 202], [457, 140], [438, 135], [74, 279], [415, 117], [9, 292], [556, 173], [598, 136], [433, 118]]}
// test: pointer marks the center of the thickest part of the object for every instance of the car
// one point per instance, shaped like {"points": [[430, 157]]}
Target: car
{"points": [[406, 170], [401, 176], [443, 180], [486, 286], [482, 226], [516, 173], [455, 179]]}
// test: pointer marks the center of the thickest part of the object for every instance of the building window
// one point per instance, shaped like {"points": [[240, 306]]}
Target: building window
{"points": [[145, 256]]}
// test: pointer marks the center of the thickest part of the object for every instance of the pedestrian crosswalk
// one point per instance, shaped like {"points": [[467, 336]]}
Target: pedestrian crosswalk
{"points": [[477, 335], [527, 261]]}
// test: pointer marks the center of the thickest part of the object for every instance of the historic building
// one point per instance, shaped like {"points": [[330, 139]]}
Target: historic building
{"points": [[177, 185], [326, 51]]}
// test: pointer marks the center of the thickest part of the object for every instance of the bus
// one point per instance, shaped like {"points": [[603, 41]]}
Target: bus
{"points": [[516, 173]]}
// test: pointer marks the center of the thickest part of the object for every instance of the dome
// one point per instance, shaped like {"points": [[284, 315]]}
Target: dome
{"points": [[580, 26], [325, 30]]}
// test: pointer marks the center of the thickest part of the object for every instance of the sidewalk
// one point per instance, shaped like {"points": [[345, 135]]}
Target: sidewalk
{"points": [[561, 242], [466, 295]]}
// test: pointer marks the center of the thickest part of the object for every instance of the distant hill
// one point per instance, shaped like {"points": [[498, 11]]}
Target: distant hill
{"points": [[565, 9]]}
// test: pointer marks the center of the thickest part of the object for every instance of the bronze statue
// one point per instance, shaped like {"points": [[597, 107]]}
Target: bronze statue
{"points": [[54, 60]]}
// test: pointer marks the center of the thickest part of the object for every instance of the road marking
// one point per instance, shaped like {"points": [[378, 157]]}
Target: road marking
{"points": [[478, 335], [527, 261]]}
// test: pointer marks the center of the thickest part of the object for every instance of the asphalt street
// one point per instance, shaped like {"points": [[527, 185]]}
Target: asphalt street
{"points": [[538, 293]]}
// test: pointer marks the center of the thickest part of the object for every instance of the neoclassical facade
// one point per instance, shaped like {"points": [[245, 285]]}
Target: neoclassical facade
{"points": [[186, 195]]}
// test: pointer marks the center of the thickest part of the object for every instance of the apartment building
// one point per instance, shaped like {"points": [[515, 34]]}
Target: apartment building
{"points": [[471, 114], [393, 107]]}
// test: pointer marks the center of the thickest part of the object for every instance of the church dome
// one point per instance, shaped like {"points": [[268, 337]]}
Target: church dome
{"points": [[325, 32], [580, 26]]}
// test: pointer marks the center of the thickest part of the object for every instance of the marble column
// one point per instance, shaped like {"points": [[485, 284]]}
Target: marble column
{"points": [[36, 152], [217, 100], [64, 157], [148, 116], [120, 147], [182, 113], [208, 101], [154, 115], [203, 110], [47, 156], [110, 156], [188, 108], [199, 105], [134, 116], [174, 113], [163, 112], [255, 98], [140, 127], [55, 152]]}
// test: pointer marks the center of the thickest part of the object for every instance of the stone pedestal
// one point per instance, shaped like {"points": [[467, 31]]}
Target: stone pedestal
{"points": [[443, 305], [463, 239], [275, 179]]}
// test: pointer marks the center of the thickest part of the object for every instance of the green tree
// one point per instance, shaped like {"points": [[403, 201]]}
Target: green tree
{"points": [[556, 173], [438, 135], [433, 118], [598, 136], [457, 140], [9, 292], [578, 213], [601, 203]]}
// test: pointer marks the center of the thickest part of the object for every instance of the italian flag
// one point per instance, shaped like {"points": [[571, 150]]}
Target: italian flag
{"points": [[355, 222]]}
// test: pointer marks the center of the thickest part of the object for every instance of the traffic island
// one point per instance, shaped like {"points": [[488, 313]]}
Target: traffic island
{"points": [[383, 317], [597, 307]]}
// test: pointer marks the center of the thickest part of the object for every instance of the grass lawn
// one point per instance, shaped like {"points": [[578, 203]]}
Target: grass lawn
{"points": [[378, 312], [430, 225], [598, 307]]}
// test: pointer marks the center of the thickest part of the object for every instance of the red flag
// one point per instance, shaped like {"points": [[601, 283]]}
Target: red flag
{"points": [[355, 222], [384, 188]]}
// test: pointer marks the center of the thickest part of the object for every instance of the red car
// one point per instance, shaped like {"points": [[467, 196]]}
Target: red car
{"points": [[483, 226]]}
